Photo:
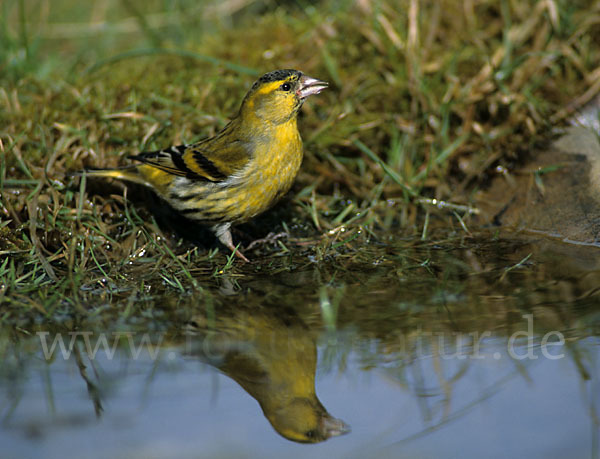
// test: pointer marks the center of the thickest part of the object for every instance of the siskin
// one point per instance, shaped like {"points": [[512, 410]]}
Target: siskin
{"points": [[243, 170]]}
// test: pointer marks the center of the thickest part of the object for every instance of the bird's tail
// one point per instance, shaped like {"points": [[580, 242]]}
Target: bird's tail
{"points": [[127, 173]]}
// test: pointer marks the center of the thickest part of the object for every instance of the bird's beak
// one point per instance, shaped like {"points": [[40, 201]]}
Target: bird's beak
{"points": [[310, 86], [333, 427]]}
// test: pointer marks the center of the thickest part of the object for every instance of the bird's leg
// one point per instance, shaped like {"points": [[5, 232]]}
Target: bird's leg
{"points": [[223, 233]]}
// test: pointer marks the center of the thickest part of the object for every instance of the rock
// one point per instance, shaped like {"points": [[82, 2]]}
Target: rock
{"points": [[556, 195]]}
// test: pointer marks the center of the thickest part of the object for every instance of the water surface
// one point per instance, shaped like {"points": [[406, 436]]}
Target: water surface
{"points": [[473, 347]]}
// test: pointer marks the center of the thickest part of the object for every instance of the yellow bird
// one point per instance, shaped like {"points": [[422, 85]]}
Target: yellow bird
{"points": [[243, 170]]}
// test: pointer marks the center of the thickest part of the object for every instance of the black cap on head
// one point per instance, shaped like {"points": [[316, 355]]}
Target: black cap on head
{"points": [[277, 75]]}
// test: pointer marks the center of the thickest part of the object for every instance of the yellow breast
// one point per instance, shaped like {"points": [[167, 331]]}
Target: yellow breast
{"points": [[268, 176]]}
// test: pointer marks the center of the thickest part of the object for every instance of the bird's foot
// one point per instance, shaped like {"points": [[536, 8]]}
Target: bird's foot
{"points": [[269, 239], [223, 233], [239, 254]]}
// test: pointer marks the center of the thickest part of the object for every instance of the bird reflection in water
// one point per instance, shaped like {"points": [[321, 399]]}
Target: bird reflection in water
{"points": [[273, 356]]}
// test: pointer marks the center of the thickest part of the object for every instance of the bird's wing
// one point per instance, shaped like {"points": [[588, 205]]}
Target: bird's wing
{"points": [[202, 161]]}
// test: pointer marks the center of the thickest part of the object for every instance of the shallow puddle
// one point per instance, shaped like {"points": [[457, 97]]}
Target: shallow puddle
{"points": [[466, 348]]}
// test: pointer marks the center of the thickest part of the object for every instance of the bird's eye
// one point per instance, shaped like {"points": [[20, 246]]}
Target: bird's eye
{"points": [[286, 86], [311, 434]]}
